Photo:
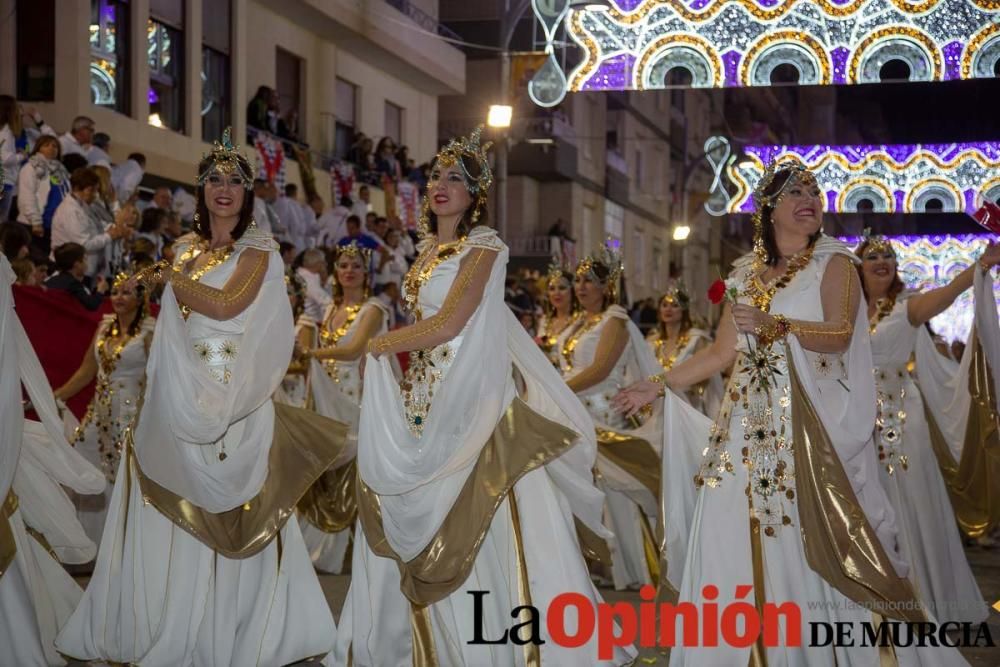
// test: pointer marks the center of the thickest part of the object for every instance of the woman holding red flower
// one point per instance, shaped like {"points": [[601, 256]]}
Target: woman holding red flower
{"points": [[787, 490]]}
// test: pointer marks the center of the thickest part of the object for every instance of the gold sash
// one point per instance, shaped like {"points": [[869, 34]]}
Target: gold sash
{"points": [[8, 546], [633, 455], [522, 441], [305, 445], [974, 482], [840, 545], [331, 503]]}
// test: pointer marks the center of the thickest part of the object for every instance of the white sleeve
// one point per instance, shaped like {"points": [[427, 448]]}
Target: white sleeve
{"points": [[8, 157], [27, 199]]}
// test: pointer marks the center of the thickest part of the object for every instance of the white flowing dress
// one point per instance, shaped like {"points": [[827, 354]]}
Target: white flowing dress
{"points": [[158, 595], [929, 537], [38, 522], [111, 410], [336, 391], [417, 477], [716, 547], [707, 395], [631, 508]]}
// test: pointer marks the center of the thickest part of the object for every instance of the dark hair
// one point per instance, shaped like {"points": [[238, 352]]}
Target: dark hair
{"points": [[574, 304], [284, 247], [363, 188], [767, 222], [353, 220], [263, 92], [41, 141], [13, 237], [10, 114], [138, 157], [74, 161], [67, 255], [84, 178], [101, 139], [202, 222], [152, 218], [685, 318], [895, 287], [291, 188], [465, 223]]}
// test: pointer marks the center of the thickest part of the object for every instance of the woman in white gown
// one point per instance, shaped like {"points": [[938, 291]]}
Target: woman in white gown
{"points": [[600, 355], [561, 312], [909, 471], [199, 564], [786, 501], [38, 523], [294, 389], [117, 359], [328, 510], [464, 484], [675, 340]]}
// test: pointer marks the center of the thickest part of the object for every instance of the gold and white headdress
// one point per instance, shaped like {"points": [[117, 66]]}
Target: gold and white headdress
{"points": [[799, 174], [610, 259], [676, 293], [875, 242], [225, 158]]}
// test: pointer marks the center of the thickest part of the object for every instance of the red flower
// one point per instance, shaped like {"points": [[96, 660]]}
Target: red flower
{"points": [[717, 292]]}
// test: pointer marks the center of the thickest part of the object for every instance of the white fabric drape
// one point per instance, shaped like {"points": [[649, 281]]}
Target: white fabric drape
{"points": [[418, 478], [193, 408]]}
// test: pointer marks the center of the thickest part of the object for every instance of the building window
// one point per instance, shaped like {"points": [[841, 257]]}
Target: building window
{"points": [[291, 120], [614, 221], [165, 32], [109, 53], [36, 50], [345, 111], [394, 122], [215, 72]]}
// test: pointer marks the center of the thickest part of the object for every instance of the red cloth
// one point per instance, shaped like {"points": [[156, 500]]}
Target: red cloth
{"points": [[61, 331]]}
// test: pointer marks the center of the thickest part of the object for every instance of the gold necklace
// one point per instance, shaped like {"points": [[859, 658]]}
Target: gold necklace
{"points": [[329, 337], [570, 345], [422, 270], [883, 307], [669, 361], [760, 295]]}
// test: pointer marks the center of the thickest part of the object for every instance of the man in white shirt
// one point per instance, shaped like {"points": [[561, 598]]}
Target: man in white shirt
{"points": [[333, 224], [98, 153], [363, 204], [78, 139], [127, 176], [293, 217], [73, 222], [313, 273]]}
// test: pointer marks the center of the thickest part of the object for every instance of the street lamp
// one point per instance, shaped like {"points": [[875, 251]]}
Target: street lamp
{"points": [[681, 232], [499, 116]]}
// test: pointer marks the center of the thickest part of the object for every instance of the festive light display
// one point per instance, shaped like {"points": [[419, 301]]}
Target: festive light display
{"points": [[900, 178], [634, 43], [927, 262]]}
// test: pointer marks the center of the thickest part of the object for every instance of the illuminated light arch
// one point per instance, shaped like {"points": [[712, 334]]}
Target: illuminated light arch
{"points": [[941, 189], [786, 47], [849, 40], [866, 188], [982, 53], [991, 190], [905, 176], [910, 45], [692, 53]]}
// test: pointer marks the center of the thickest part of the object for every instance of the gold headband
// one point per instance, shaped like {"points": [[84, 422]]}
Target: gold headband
{"points": [[876, 242], [799, 174], [352, 249], [609, 258], [556, 272], [225, 158], [677, 293]]}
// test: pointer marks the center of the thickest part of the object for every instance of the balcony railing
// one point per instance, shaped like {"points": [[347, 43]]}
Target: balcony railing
{"points": [[423, 19], [559, 249]]}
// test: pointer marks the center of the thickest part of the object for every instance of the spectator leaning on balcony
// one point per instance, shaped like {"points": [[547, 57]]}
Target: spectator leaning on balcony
{"points": [[262, 112], [71, 267], [42, 186], [127, 176], [385, 159], [78, 140], [73, 221]]}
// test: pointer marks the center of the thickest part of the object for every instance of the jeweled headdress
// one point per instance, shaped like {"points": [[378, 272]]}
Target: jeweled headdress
{"points": [[557, 271], [225, 158], [677, 293], [478, 186], [799, 174], [875, 242], [352, 249], [611, 259]]}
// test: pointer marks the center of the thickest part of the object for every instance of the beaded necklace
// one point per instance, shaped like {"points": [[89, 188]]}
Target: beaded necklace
{"points": [[422, 270], [883, 307], [330, 338], [760, 294], [669, 361], [570, 345]]}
